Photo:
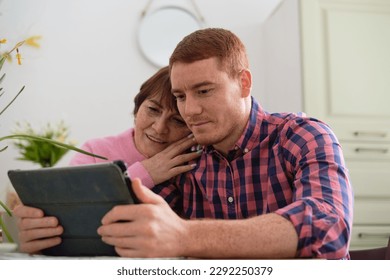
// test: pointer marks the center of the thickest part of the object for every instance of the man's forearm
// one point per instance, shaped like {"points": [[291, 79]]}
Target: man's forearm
{"points": [[267, 236]]}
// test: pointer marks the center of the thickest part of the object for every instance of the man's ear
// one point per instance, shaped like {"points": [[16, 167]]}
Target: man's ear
{"points": [[246, 82]]}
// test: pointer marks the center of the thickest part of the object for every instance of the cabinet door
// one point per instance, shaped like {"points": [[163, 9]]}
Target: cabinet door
{"points": [[346, 83], [346, 62], [364, 237]]}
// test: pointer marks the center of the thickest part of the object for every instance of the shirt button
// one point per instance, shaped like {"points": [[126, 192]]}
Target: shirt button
{"points": [[246, 150], [230, 199]]}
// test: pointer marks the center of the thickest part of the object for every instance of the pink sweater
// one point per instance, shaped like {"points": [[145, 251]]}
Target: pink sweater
{"points": [[117, 147]]}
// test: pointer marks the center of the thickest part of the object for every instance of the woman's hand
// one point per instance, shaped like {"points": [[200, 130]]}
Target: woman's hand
{"points": [[172, 161]]}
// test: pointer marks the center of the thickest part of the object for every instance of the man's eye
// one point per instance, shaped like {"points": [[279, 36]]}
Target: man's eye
{"points": [[179, 97], [204, 91]]}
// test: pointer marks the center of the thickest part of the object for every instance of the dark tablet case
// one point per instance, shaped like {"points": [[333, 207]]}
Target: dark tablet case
{"points": [[79, 196]]}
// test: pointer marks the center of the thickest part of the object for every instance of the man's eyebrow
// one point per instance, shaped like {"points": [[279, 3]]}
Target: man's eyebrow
{"points": [[195, 86]]}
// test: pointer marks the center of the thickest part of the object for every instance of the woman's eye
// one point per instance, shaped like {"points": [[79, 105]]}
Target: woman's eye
{"points": [[153, 109], [179, 121]]}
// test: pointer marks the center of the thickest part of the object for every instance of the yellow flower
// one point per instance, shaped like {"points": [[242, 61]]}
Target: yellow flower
{"points": [[18, 57], [32, 41]]}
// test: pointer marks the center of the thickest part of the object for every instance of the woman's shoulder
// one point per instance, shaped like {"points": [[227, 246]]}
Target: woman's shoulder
{"points": [[112, 147], [112, 140]]}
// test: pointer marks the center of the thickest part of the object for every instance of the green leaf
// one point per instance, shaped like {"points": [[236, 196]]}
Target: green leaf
{"points": [[9, 104], [2, 60], [6, 208], [59, 144], [2, 225], [5, 231]]}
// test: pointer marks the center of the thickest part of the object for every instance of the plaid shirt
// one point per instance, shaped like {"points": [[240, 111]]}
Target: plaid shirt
{"points": [[283, 163]]}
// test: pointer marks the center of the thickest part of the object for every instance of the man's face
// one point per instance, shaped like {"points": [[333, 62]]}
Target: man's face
{"points": [[211, 103]]}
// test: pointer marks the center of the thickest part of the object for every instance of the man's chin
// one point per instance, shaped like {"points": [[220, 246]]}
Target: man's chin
{"points": [[203, 139]]}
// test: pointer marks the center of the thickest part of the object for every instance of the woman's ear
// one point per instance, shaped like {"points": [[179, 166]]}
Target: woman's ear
{"points": [[246, 82]]}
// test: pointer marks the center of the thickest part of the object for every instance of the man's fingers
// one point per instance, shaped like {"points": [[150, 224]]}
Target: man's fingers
{"points": [[38, 245], [26, 211], [130, 212], [31, 223], [144, 194], [35, 234]]}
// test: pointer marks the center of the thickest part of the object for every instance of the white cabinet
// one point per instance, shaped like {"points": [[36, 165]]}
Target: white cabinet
{"points": [[346, 83]]}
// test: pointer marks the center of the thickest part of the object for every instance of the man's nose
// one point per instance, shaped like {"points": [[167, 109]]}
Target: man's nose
{"points": [[192, 106]]}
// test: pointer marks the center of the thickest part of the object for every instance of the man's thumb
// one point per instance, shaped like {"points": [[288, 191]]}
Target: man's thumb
{"points": [[144, 194]]}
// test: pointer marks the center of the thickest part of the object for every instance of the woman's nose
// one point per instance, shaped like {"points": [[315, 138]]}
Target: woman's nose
{"points": [[160, 125]]}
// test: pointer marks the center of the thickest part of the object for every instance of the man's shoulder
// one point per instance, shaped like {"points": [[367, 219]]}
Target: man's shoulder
{"points": [[301, 124], [300, 118]]}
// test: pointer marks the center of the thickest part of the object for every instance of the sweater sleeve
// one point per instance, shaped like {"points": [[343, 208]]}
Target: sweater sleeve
{"points": [[137, 170], [134, 169], [79, 158]]}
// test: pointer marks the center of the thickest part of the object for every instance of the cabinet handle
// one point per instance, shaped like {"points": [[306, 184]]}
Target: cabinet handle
{"points": [[370, 134], [372, 234], [374, 150]]}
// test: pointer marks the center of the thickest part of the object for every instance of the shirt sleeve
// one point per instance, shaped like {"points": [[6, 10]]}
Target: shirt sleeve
{"points": [[322, 206]]}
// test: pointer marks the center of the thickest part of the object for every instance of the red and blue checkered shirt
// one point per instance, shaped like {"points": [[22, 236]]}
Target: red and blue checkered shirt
{"points": [[288, 164]]}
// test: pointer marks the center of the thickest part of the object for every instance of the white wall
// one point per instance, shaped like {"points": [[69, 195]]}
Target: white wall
{"points": [[89, 67], [281, 61]]}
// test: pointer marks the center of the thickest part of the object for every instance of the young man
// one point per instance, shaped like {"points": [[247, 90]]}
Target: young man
{"points": [[266, 185]]}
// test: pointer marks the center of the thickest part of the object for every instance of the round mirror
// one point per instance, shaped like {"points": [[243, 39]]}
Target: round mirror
{"points": [[161, 30]]}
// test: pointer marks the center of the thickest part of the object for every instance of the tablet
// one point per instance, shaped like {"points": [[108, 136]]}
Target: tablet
{"points": [[79, 196]]}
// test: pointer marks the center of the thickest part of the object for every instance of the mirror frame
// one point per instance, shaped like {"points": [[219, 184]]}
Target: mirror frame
{"points": [[159, 32]]}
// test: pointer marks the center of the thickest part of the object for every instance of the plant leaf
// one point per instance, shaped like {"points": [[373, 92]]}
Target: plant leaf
{"points": [[6, 208], [2, 60], [9, 104], [54, 142], [5, 231], [2, 78]]}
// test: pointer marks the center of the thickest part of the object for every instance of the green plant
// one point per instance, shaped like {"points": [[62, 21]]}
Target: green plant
{"points": [[45, 154]]}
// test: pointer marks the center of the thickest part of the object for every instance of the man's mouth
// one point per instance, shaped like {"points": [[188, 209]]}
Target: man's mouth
{"points": [[198, 124]]}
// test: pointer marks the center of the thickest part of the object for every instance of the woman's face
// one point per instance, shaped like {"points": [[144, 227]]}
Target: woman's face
{"points": [[156, 127]]}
